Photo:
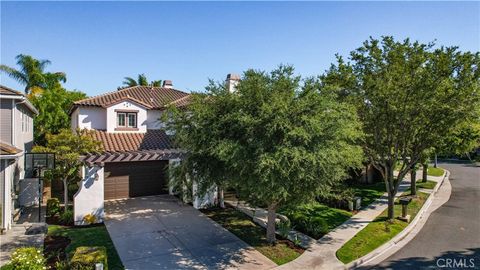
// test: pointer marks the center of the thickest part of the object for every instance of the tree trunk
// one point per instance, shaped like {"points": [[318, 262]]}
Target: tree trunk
{"points": [[391, 193], [65, 194], [413, 181], [425, 172], [221, 199], [271, 223], [436, 161]]}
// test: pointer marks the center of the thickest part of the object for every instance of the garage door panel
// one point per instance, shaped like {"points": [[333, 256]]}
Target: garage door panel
{"points": [[133, 179]]}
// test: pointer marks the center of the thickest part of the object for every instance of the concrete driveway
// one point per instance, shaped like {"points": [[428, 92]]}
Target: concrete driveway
{"points": [[160, 232]]}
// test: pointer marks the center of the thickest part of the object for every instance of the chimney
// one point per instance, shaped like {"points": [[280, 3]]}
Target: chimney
{"points": [[232, 82], [167, 84]]}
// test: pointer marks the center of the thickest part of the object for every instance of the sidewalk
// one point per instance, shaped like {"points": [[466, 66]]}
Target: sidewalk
{"points": [[321, 254]]}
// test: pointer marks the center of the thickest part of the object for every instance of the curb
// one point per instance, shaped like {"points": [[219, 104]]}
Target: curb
{"points": [[388, 245]]}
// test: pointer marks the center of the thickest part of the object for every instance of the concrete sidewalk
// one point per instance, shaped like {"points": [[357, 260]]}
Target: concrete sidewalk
{"points": [[322, 255]]}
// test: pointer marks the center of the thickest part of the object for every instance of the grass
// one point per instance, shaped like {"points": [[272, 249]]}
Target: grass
{"points": [[435, 171], [315, 219], [242, 226], [376, 233], [427, 185], [88, 236], [370, 192]]}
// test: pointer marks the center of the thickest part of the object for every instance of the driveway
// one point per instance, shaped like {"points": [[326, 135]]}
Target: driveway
{"points": [[452, 232], [160, 232]]}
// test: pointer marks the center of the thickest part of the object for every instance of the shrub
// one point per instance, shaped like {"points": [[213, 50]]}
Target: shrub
{"points": [[53, 207], [85, 258], [28, 258], [337, 197], [284, 227], [90, 219], [66, 217]]}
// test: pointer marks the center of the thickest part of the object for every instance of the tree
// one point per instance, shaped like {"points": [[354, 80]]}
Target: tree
{"points": [[32, 73], [68, 145], [276, 139], [141, 80], [53, 106], [409, 96]]}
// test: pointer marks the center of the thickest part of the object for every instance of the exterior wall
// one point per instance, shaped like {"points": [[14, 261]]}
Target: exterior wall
{"points": [[6, 106], [126, 105], [74, 119], [153, 119], [28, 194], [6, 188], [23, 137], [205, 201], [91, 118], [89, 199]]}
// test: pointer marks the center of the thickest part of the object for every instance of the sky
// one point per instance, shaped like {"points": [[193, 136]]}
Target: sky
{"points": [[97, 44]]}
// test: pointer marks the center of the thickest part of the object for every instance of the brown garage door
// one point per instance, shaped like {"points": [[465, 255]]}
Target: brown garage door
{"points": [[134, 179]]}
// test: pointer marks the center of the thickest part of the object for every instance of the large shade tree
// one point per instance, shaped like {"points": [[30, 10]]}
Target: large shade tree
{"points": [[276, 139], [409, 97], [32, 74], [68, 145]]}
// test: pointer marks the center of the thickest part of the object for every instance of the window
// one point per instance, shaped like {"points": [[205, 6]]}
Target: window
{"points": [[121, 119], [125, 120], [132, 120]]}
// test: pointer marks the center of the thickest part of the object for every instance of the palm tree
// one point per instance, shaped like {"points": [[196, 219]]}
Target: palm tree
{"points": [[141, 80], [32, 73]]}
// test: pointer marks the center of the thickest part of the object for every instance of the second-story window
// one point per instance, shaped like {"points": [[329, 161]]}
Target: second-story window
{"points": [[126, 120]]}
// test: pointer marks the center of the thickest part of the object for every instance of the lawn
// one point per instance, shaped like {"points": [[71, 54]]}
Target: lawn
{"points": [[376, 233], [370, 192], [315, 219], [427, 185], [435, 171], [244, 228], [88, 236]]}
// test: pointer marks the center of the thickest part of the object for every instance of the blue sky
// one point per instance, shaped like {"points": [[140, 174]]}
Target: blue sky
{"points": [[99, 43]]}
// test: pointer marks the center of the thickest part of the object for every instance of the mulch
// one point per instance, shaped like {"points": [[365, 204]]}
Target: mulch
{"points": [[54, 249]]}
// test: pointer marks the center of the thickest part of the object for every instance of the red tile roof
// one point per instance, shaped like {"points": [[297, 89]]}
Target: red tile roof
{"points": [[125, 142], [156, 97]]}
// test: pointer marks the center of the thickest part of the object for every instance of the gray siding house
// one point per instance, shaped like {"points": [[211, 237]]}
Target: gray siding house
{"points": [[16, 138]]}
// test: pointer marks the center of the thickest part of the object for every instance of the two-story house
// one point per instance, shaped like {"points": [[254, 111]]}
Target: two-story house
{"points": [[16, 138], [137, 151]]}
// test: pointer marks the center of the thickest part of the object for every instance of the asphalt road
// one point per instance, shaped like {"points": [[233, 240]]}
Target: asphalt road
{"points": [[451, 237]]}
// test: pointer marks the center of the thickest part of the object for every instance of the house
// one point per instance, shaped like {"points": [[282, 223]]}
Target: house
{"points": [[16, 138], [136, 150]]}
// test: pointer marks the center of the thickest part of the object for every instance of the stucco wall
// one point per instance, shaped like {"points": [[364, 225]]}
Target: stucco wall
{"points": [[153, 119], [126, 105], [74, 119], [92, 118], [28, 195], [7, 206], [205, 201], [89, 199]]}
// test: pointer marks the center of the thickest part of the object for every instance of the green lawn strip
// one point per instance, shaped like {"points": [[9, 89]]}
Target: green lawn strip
{"points": [[315, 219], [435, 171], [427, 185], [244, 228], [88, 236], [369, 193], [375, 234]]}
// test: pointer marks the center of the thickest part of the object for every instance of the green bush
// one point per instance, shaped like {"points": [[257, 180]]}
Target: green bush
{"points": [[284, 227], [66, 217], [85, 258], [53, 207], [337, 197], [28, 258]]}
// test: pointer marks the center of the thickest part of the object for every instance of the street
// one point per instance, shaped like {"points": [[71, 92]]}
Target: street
{"points": [[451, 237]]}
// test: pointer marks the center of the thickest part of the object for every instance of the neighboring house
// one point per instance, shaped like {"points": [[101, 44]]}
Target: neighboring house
{"points": [[16, 138], [137, 152]]}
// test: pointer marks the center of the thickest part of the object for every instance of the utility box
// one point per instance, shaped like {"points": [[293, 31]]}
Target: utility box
{"points": [[358, 202]]}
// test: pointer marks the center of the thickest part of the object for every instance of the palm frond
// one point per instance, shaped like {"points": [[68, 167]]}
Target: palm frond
{"points": [[129, 81], [14, 74]]}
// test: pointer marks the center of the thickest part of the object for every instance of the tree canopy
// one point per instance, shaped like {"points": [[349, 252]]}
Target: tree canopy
{"points": [[275, 139], [409, 96], [32, 74], [68, 145], [141, 80]]}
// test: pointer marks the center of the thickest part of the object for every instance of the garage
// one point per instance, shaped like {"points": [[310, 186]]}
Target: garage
{"points": [[135, 179]]}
